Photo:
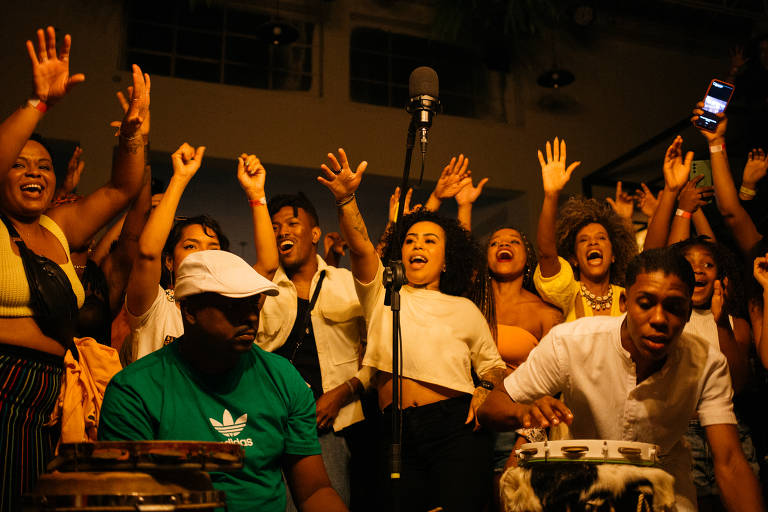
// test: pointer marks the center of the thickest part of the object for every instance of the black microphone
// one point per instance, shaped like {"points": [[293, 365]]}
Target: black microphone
{"points": [[423, 87]]}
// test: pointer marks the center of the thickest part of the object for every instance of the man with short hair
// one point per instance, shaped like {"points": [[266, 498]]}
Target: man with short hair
{"points": [[215, 384], [317, 323], [636, 377]]}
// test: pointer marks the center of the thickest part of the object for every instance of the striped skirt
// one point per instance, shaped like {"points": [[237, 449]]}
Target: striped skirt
{"points": [[30, 381]]}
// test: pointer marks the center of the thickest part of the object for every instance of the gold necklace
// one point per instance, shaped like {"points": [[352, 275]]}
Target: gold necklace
{"points": [[597, 302]]}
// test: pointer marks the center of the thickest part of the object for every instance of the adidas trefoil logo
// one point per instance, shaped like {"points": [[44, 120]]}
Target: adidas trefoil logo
{"points": [[227, 427]]}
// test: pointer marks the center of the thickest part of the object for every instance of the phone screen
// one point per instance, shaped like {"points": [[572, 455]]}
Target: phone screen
{"points": [[718, 96], [699, 167]]}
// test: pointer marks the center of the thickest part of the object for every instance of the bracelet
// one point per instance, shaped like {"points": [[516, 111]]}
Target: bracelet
{"points": [[747, 191], [38, 105], [258, 202], [128, 138], [344, 200], [485, 384], [716, 148], [684, 214], [351, 387]]}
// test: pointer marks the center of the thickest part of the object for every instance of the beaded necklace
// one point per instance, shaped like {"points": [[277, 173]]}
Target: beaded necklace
{"points": [[597, 302]]}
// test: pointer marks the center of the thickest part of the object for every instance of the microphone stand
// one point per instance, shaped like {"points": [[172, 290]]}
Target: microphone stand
{"points": [[394, 278]]}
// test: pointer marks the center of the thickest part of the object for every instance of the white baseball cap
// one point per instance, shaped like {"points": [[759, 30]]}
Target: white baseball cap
{"points": [[221, 272]]}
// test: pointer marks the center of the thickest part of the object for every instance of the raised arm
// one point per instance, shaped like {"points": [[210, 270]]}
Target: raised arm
{"points": [[145, 275], [726, 196], [343, 182], [394, 203], [760, 322], [335, 247], [554, 176], [453, 178], [754, 171], [252, 177], [676, 171], [52, 81], [75, 168], [733, 341], [689, 203], [117, 264], [465, 198], [81, 220], [623, 204], [646, 201]]}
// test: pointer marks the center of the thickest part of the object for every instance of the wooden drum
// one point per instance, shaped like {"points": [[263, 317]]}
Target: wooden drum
{"points": [[155, 476]]}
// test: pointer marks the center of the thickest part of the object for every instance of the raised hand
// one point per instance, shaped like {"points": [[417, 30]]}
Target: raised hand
{"points": [[760, 271], [137, 112], [676, 170], [74, 171], [125, 104], [251, 175], [691, 197], [755, 168], [719, 295], [646, 201], [186, 161], [469, 193], [335, 243], [394, 200], [623, 204], [737, 58], [722, 125], [554, 174], [454, 177], [339, 178], [50, 72]]}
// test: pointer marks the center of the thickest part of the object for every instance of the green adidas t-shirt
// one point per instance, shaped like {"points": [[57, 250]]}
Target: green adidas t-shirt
{"points": [[263, 404]]}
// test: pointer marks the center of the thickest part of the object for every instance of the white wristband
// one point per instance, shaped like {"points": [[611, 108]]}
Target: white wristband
{"points": [[716, 148]]}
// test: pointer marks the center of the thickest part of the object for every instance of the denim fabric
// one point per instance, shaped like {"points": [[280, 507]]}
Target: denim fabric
{"points": [[702, 464]]}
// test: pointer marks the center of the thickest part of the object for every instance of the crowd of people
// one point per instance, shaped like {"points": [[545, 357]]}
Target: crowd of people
{"points": [[583, 335]]}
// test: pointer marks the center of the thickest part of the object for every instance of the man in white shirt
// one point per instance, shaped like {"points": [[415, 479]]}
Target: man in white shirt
{"points": [[317, 323], [636, 378]]}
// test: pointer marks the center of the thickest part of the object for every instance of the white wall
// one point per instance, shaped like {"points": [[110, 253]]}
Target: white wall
{"points": [[627, 91]]}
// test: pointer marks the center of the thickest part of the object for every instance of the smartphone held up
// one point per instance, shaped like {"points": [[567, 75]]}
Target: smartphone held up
{"points": [[718, 95]]}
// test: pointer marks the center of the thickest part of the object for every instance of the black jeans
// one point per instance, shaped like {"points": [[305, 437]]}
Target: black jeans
{"points": [[444, 463]]}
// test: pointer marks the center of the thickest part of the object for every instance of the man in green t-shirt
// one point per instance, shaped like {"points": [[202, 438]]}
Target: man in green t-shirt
{"points": [[214, 384]]}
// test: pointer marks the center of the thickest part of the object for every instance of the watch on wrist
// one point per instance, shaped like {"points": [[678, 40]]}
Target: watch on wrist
{"points": [[486, 385]]}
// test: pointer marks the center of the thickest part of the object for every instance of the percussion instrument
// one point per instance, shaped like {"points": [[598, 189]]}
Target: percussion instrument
{"points": [[114, 476], [589, 450], [587, 475]]}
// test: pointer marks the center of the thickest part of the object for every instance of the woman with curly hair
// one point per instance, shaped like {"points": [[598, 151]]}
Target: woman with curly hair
{"points": [[446, 457], [583, 249], [718, 316]]}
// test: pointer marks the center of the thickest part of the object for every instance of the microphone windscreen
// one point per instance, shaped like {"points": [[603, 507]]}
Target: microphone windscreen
{"points": [[423, 80]]}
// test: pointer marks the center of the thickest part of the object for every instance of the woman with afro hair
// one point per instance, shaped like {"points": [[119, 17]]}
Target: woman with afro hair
{"points": [[583, 249], [446, 456]]}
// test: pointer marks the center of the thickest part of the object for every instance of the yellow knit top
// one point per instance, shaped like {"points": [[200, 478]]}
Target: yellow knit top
{"points": [[14, 290], [562, 290]]}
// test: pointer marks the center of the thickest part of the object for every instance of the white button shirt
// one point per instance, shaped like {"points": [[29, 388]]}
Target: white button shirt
{"points": [[585, 360], [338, 326]]}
